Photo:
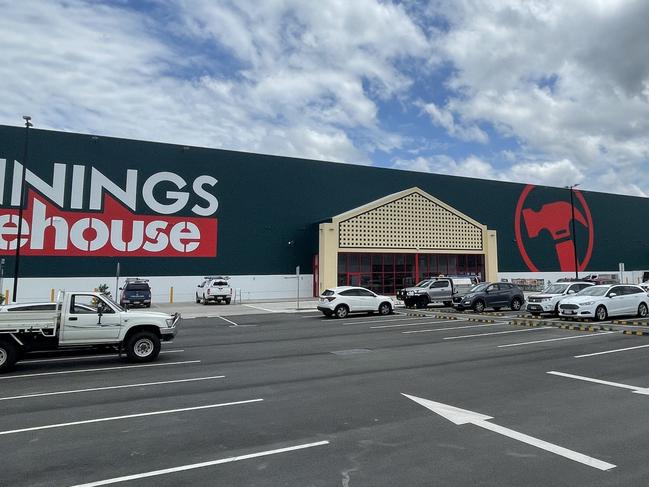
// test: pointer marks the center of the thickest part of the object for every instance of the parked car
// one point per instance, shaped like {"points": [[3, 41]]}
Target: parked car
{"points": [[342, 300], [436, 290], [136, 292], [215, 289], [547, 301], [494, 295], [600, 302]]}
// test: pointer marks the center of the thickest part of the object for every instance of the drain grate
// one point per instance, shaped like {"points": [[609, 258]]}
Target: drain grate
{"points": [[351, 351]]}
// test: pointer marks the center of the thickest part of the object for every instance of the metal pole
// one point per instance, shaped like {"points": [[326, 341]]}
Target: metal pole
{"points": [[28, 124], [117, 284], [574, 235], [297, 275], [2, 277]]}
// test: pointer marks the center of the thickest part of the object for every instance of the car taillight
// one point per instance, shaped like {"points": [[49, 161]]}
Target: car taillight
{"points": [[230, 290], [209, 291]]}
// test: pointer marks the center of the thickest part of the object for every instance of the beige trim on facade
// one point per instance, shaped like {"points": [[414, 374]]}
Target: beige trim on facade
{"points": [[410, 221]]}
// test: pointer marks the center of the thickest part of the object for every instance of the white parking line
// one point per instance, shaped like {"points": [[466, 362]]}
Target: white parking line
{"points": [[642, 390], [556, 339], [231, 322], [412, 324], [498, 333], [262, 309], [380, 320], [127, 416], [448, 328], [75, 358], [183, 468], [611, 351], [101, 369], [126, 386]]}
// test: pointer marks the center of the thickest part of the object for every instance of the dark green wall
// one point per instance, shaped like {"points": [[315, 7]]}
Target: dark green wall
{"points": [[267, 201]]}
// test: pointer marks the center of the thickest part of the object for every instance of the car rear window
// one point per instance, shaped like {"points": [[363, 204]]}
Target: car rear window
{"points": [[137, 287], [328, 292], [219, 283]]}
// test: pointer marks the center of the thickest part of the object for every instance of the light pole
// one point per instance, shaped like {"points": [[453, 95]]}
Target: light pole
{"points": [[28, 124], [574, 235]]}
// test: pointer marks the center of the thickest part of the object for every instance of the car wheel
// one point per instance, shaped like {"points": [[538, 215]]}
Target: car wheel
{"points": [[8, 355], [516, 304], [143, 346], [601, 313], [642, 310], [478, 306], [422, 302], [385, 309], [341, 311]]}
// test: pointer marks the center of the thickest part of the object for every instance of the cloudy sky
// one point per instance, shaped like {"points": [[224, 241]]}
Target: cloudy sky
{"points": [[533, 91]]}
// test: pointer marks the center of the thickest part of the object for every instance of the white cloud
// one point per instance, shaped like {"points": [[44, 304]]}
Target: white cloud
{"points": [[277, 77], [446, 119]]}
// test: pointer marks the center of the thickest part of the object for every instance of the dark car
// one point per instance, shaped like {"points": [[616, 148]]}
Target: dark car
{"points": [[494, 295], [136, 292]]}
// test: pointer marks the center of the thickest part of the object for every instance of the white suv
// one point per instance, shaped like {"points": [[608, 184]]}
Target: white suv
{"points": [[548, 300], [342, 300]]}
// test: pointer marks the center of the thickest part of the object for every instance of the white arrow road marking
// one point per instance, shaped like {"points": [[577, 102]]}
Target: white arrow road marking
{"points": [[498, 333], [636, 389], [128, 416], [611, 351], [202, 465], [463, 416]]}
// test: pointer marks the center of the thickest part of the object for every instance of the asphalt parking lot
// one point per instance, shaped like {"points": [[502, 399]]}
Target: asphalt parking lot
{"points": [[295, 399]]}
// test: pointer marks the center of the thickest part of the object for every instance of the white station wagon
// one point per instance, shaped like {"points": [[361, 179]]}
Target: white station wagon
{"points": [[602, 301]]}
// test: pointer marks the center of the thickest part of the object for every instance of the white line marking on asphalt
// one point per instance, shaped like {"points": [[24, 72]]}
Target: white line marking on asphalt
{"points": [[498, 333], [380, 320], [126, 386], [84, 357], [638, 390], [183, 468], [231, 322], [611, 351], [101, 369], [447, 329], [127, 416], [263, 309], [556, 339], [412, 324]]}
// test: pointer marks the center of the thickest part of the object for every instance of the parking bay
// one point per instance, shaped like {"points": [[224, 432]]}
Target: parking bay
{"points": [[303, 400]]}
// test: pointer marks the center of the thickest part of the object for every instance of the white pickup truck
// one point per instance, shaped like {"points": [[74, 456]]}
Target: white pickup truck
{"points": [[84, 318], [214, 288]]}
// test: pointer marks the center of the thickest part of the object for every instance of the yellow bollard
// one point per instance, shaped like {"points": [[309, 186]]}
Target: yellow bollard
{"points": [[171, 294], [52, 296], [6, 296]]}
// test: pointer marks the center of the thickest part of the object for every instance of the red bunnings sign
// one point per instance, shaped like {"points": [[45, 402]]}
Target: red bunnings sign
{"points": [[106, 223]]}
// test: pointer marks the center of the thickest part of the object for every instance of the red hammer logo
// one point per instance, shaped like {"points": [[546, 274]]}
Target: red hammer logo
{"points": [[555, 218]]}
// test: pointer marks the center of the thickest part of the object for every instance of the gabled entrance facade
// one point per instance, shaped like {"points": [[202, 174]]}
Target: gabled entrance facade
{"points": [[400, 239]]}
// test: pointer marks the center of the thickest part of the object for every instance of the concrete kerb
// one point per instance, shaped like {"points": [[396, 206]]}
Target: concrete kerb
{"points": [[575, 327]]}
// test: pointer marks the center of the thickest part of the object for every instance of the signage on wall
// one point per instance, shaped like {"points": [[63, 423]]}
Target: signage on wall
{"points": [[82, 212], [553, 218]]}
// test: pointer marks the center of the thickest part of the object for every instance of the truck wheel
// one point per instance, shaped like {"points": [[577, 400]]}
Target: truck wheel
{"points": [[227, 300], [8, 355], [143, 346], [422, 302]]}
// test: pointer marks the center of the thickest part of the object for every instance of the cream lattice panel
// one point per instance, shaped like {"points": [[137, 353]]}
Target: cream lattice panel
{"points": [[411, 222]]}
